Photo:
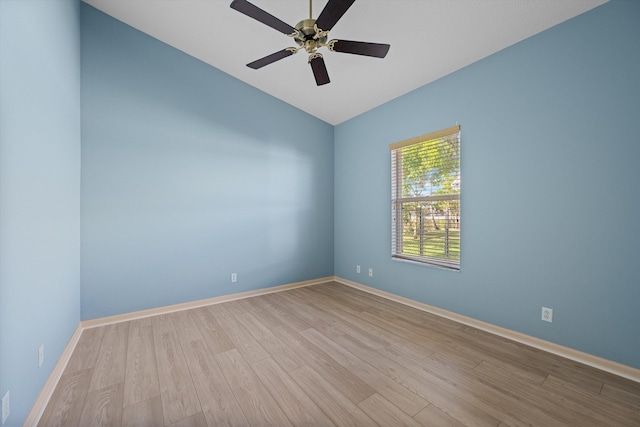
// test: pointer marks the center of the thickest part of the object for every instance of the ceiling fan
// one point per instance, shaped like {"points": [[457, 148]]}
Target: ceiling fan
{"points": [[311, 34]]}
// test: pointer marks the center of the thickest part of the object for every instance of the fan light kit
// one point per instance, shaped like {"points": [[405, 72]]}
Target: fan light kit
{"points": [[310, 35]]}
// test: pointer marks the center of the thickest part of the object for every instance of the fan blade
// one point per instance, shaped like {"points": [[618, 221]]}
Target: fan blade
{"points": [[258, 14], [319, 69], [377, 50], [269, 59], [332, 12]]}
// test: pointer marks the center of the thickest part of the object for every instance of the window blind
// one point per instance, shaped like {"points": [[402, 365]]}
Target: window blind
{"points": [[425, 199]]}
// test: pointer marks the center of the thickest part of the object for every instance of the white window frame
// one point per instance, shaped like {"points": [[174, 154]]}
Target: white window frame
{"points": [[449, 256]]}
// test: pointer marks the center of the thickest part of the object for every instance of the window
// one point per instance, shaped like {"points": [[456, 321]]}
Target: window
{"points": [[425, 199]]}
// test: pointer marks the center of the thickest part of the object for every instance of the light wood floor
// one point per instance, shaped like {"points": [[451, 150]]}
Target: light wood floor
{"points": [[325, 355]]}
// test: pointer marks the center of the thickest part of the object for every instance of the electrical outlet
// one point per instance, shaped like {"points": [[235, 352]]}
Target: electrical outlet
{"points": [[40, 355], [6, 407], [371, 272], [547, 314], [358, 269], [234, 277]]}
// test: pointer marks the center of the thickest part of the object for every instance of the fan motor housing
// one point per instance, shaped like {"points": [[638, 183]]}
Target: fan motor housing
{"points": [[307, 28]]}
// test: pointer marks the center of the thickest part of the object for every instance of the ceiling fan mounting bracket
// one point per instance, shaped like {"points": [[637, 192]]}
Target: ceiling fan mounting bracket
{"points": [[320, 33], [296, 35], [314, 55]]}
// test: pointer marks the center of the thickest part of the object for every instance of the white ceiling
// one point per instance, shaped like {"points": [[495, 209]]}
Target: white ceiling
{"points": [[429, 39]]}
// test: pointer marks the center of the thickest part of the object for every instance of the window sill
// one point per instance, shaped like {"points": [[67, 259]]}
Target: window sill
{"points": [[425, 263]]}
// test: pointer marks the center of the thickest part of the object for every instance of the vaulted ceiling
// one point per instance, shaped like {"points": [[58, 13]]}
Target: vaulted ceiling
{"points": [[429, 39]]}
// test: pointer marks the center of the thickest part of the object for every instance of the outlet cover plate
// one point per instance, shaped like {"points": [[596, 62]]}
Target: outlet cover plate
{"points": [[40, 355], [6, 407], [547, 314]]}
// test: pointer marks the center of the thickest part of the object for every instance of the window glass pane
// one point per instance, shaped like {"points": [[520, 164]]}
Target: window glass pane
{"points": [[431, 167]]}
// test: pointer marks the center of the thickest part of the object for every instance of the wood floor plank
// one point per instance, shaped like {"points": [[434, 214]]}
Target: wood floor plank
{"points": [[353, 387], [446, 400], [621, 383], [219, 406], [392, 309], [506, 351], [385, 413], [464, 384], [621, 395], [499, 394], [242, 340], [293, 304], [387, 310], [111, 361], [439, 341], [197, 420], [354, 317], [86, 351], [543, 408], [333, 403], [432, 416], [273, 304], [350, 385], [279, 323], [338, 295], [147, 413], [65, 406], [462, 359], [595, 406], [440, 329], [298, 407], [103, 407], [500, 349], [141, 375], [402, 397], [383, 326], [298, 306], [340, 377], [189, 331], [516, 371], [179, 399], [262, 310], [350, 325], [211, 331], [277, 350], [142, 321], [257, 404]]}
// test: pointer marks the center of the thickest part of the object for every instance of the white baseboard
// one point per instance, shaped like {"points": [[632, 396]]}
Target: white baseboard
{"points": [[45, 394], [559, 350]]}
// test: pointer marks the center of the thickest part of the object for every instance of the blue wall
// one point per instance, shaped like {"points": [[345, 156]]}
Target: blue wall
{"points": [[551, 186], [39, 191], [189, 175]]}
